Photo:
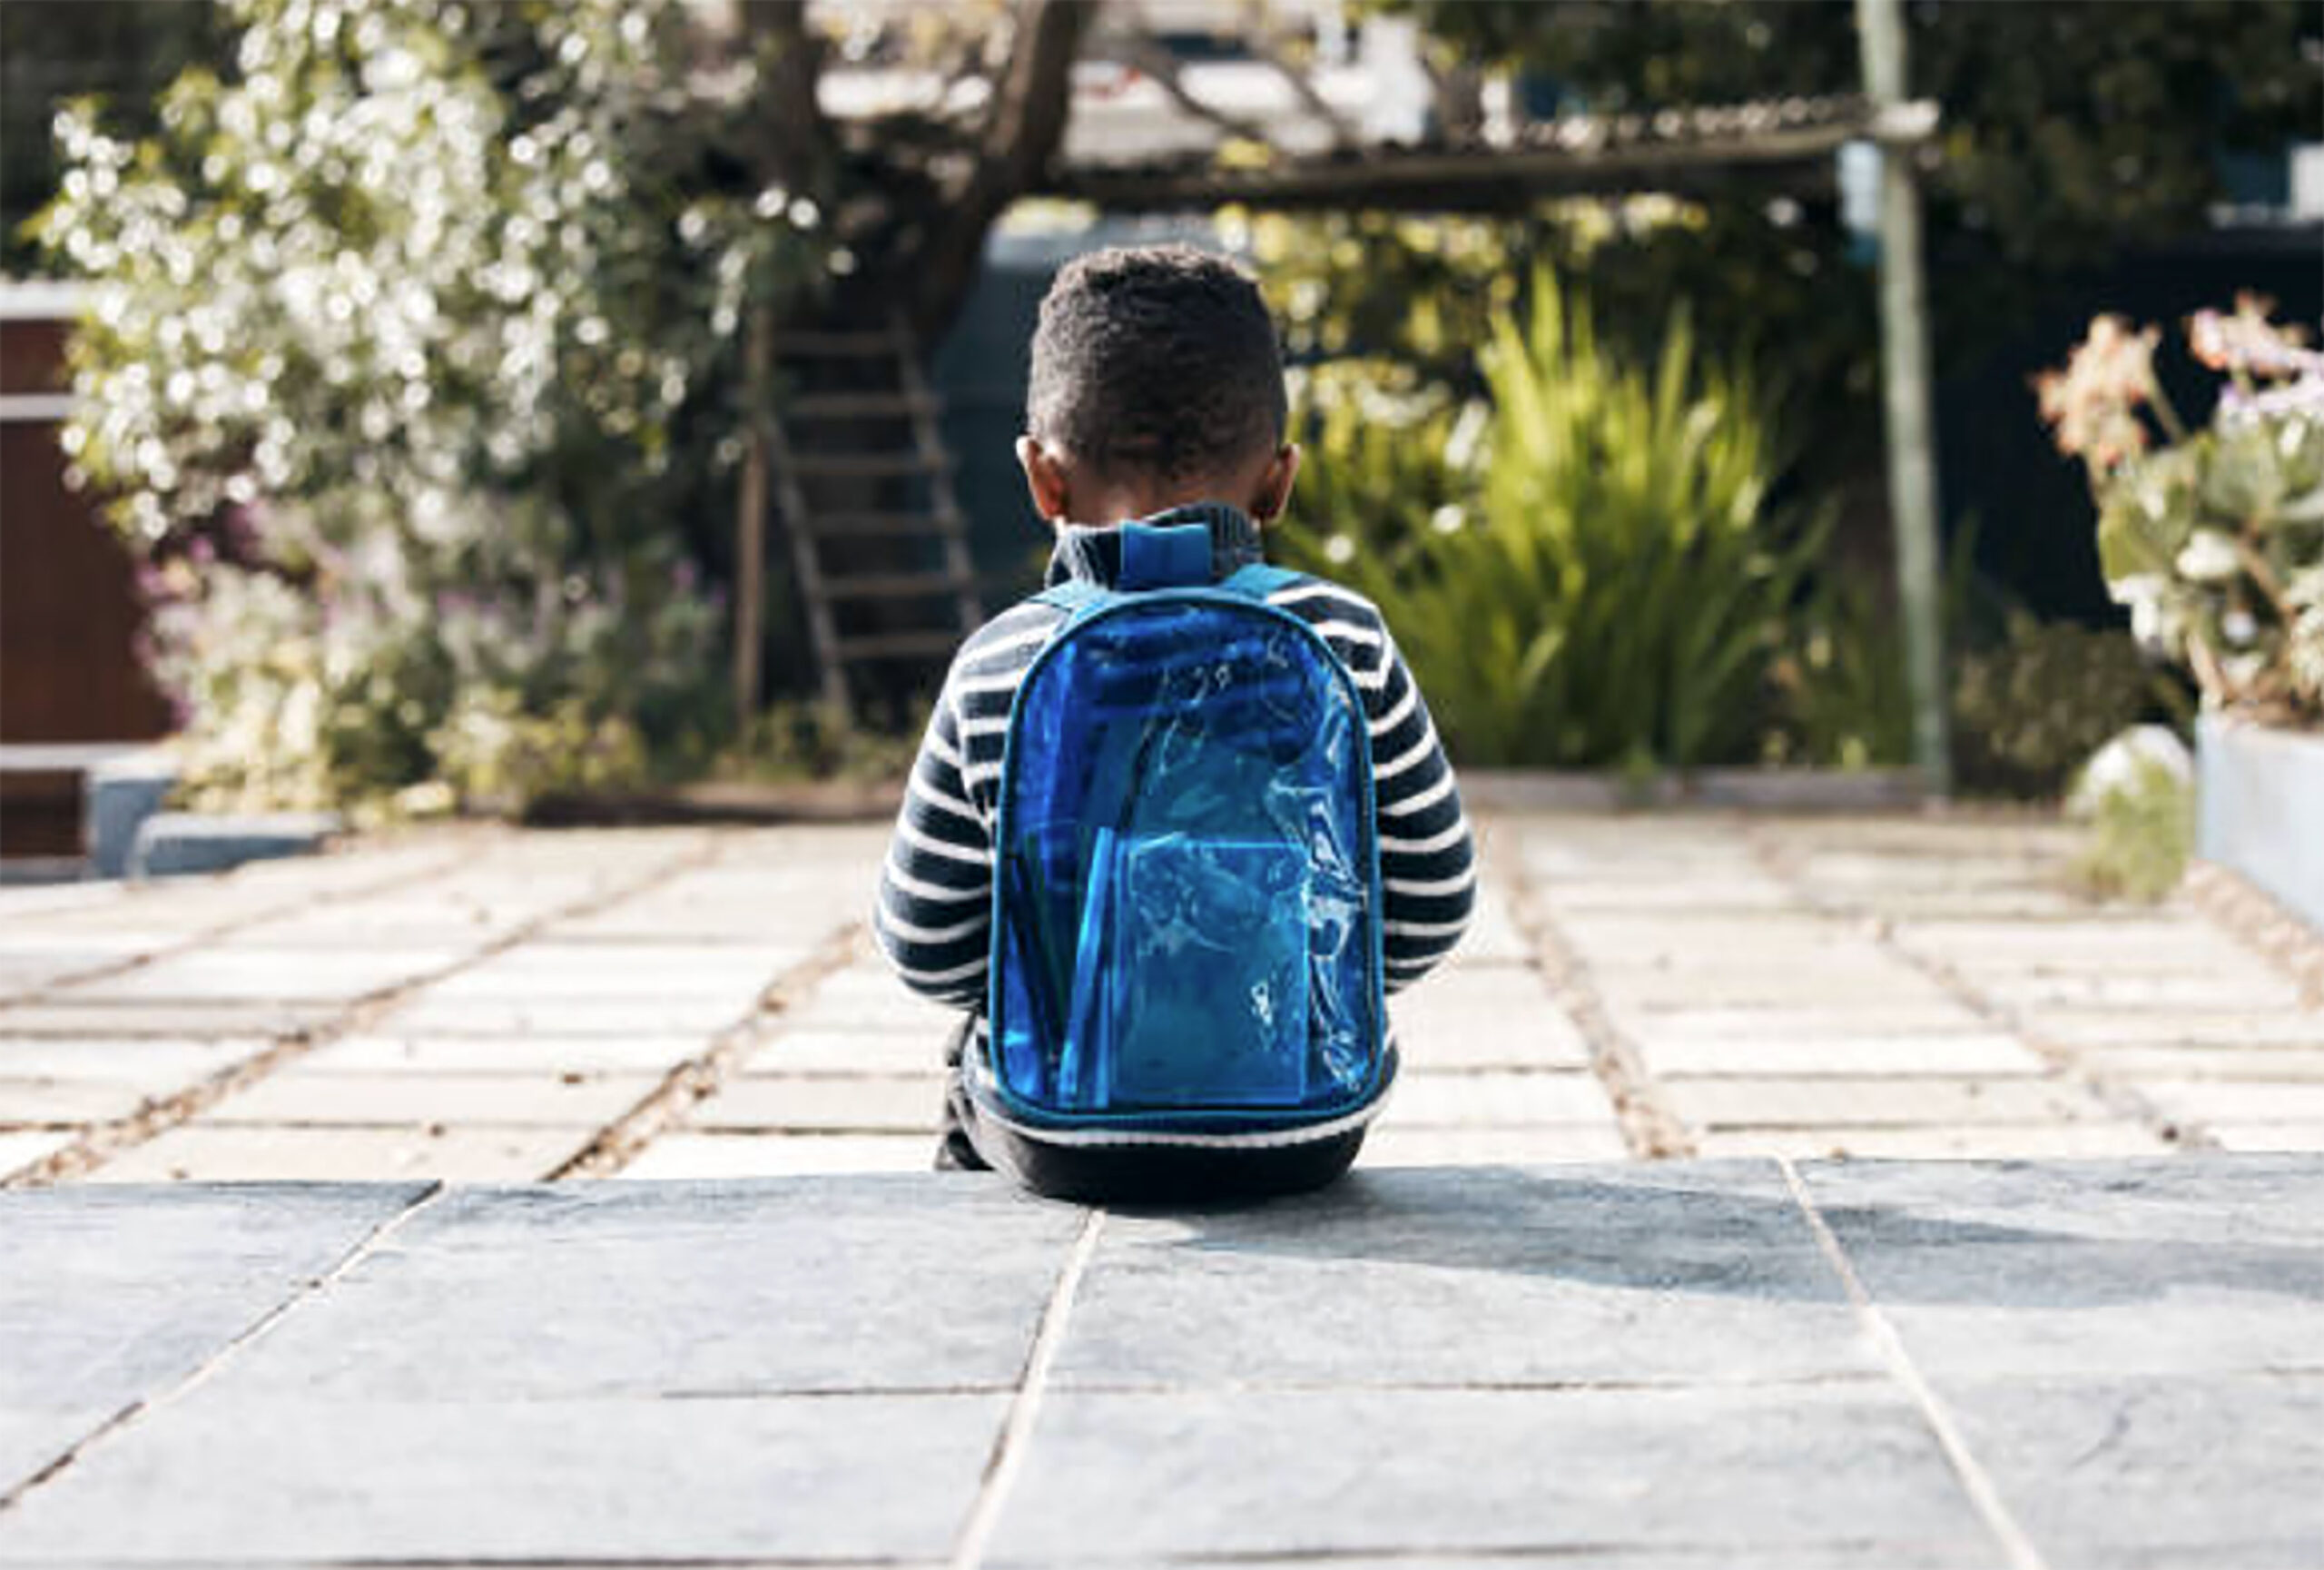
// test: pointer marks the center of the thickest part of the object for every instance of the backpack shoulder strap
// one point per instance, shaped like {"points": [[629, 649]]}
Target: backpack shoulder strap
{"points": [[1071, 596], [1258, 580]]}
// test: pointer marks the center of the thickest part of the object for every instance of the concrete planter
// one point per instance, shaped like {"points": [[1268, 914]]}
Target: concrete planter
{"points": [[2261, 808]]}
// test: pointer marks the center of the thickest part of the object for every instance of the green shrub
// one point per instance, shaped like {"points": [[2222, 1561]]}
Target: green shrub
{"points": [[2028, 711], [2142, 831], [1587, 572]]}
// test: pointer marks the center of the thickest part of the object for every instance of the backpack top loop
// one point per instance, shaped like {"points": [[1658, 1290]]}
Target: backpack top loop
{"points": [[1164, 556]]}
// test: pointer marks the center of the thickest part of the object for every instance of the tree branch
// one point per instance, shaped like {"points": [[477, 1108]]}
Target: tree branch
{"points": [[797, 146], [1303, 87], [1157, 62], [1016, 154]]}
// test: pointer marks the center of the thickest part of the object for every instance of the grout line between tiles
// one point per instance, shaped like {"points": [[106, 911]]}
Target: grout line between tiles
{"points": [[100, 1143], [1984, 1495], [1016, 1434], [1643, 1116], [666, 1107], [257, 1328]]}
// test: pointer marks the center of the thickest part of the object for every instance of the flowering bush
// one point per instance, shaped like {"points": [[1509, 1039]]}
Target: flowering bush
{"points": [[397, 331], [2213, 537]]}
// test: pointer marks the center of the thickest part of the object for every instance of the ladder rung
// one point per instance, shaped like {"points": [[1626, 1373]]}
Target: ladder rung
{"points": [[867, 464], [844, 405], [900, 646], [871, 525], [896, 586], [838, 343]]}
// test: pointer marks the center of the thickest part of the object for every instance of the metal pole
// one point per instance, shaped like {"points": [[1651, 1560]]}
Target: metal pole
{"points": [[750, 524], [1904, 337]]}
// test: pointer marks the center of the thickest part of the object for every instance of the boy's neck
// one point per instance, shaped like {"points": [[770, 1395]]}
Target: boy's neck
{"points": [[1113, 506]]}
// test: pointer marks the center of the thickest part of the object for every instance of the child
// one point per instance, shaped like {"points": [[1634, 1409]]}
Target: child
{"points": [[1156, 396]]}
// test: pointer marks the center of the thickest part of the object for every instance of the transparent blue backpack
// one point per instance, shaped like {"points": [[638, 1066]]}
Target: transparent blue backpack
{"points": [[1186, 880]]}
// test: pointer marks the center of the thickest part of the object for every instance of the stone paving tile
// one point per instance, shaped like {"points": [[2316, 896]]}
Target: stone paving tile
{"points": [[2122, 989], [1493, 937], [296, 1096], [1503, 1016], [156, 1066], [1889, 985], [2157, 940], [870, 1477], [2121, 1027], [2238, 1101], [2269, 1136], [2198, 1263], [102, 1020], [689, 1154], [1688, 935], [1648, 1025], [440, 1054], [45, 1103], [1495, 1098], [704, 1292], [109, 1297], [1936, 1141], [428, 1014], [212, 1152], [2298, 1065], [20, 1148], [858, 1103], [626, 970], [1479, 1276], [1756, 1471], [1868, 1100], [863, 998], [1900, 1055], [31, 961], [1390, 1144], [737, 905], [2157, 1471], [1665, 890], [218, 972], [820, 1049]]}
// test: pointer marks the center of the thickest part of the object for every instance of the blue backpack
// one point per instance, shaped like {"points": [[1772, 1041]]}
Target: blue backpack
{"points": [[1185, 879]]}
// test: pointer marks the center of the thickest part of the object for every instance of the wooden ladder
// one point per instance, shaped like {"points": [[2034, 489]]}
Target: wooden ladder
{"points": [[878, 546]]}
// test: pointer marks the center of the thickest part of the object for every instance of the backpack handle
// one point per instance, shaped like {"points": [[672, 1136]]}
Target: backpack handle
{"points": [[1171, 563]]}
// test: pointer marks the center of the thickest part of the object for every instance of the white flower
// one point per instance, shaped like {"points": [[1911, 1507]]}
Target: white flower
{"points": [[2210, 556]]}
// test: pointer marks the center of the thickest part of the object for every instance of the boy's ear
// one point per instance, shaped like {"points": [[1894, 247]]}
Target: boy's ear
{"points": [[1273, 493], [1045, 480]]}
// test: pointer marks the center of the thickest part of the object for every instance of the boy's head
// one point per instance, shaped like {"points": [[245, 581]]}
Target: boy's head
{"points": [[1157, 382]]}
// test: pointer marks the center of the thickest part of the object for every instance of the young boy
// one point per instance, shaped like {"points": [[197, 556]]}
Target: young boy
{"points": [[1156, 396]]}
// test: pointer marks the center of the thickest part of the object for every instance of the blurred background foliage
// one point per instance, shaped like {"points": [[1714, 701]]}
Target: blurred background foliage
{"points": [[414, 359], [542, 380], [2071, 134]]}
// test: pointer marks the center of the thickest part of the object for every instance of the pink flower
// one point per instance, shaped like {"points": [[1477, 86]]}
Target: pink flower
{"points": [[2248, 343], [2093, 402]]}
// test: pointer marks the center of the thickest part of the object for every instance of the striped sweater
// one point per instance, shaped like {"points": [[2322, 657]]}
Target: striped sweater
{"points": [[933, 917]]}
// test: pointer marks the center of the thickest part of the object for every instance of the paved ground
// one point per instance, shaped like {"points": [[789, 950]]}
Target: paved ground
{"points": [[493, 1006], [1697, 1365]]}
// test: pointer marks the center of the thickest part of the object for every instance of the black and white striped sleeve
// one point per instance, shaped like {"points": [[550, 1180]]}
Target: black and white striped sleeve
{"points": [[934, 911], [1428, 872]]}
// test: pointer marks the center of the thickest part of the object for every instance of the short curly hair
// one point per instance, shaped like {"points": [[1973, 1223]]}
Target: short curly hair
{"points": [[1156, 360]]}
